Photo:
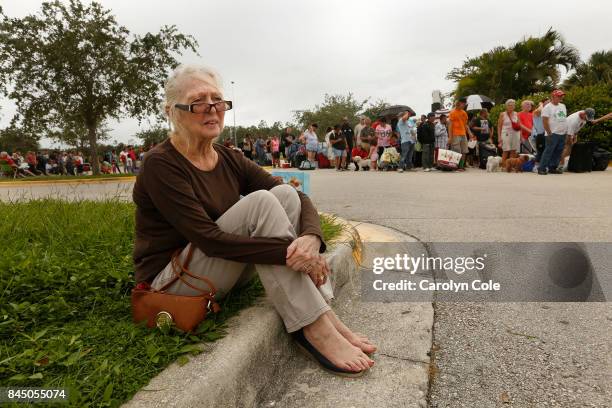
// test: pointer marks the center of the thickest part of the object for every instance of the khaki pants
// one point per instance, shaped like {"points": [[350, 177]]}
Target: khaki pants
{"points": [[272, 214], [570, 140]]}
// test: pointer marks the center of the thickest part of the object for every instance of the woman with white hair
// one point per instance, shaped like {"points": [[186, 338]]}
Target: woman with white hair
{"points": [[190, 212], [509, 131]]}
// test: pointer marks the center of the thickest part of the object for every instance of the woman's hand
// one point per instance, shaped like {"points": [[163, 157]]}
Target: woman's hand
{"points": [[303, 256], [302, 251], [318, 271]]}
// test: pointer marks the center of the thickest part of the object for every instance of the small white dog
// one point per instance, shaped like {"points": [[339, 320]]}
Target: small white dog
{"points": [[362, 163], [493, 163]]}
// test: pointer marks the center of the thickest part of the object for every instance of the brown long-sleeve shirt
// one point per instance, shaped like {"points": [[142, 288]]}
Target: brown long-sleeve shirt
{"points": [[177, 203]]}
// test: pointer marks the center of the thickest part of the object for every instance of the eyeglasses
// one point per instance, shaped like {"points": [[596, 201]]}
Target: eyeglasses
{"points": [[205, 107]]}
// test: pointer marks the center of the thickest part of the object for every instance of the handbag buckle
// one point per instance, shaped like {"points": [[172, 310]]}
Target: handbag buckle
{"points": [[163, 319]]}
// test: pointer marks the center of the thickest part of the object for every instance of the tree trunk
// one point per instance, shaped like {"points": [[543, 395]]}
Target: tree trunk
{"points": [[93, 149]]}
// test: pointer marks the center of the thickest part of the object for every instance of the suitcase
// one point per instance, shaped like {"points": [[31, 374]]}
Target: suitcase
{"points": [[601, 158], [485, 151], [581, 157], [323, 161]]}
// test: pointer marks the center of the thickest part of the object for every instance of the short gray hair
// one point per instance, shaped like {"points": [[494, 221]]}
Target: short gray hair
{"points": [[174, 89], [510, 101]]}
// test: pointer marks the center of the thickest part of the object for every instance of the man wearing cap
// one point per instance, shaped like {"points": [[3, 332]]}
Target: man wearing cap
{"points": [[554, 118], [575, 122], [458, 129]]}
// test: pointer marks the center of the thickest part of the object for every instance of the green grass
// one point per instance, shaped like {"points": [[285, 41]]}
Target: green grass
{"points": [[55, 178], [65, 320]]}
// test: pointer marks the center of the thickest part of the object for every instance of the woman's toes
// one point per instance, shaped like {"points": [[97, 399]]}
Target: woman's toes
{"points": [[364, 363], [369, 348], [346, 366], [353, 366], [359, 364]]}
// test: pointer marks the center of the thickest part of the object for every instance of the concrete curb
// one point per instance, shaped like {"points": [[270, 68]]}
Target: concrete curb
{"points": [[233, 370]]}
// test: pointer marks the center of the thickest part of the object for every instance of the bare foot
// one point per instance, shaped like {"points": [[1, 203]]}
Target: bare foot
{"points": [[324, 337], [356, 339]]}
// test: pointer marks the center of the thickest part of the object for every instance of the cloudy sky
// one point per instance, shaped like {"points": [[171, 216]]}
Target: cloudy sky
{"points": [[286, 55]]}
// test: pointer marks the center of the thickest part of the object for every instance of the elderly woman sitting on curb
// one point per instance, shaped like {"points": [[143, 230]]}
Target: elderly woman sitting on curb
{"points": [[188, 195]]}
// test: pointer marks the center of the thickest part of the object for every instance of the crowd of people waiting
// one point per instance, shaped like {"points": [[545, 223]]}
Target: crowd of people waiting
{"points": [[403, 143], [69, 163]]}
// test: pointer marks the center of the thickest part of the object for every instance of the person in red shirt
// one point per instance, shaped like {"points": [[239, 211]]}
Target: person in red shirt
{"points": [[32, 163], [526, 120], [132, 153], [6, 159]]}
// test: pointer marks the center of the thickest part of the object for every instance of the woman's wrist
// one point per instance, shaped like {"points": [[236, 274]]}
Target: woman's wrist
{"points": [[315, 239]]}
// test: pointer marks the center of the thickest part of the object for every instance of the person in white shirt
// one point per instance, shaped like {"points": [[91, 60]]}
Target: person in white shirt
{"points": [[329, 153], [554, 116], [358, 128], [575, 122], [123, 159]]}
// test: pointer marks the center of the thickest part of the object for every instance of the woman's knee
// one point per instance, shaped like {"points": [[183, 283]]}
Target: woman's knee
{"points": [[286, 194], [262, 196]]}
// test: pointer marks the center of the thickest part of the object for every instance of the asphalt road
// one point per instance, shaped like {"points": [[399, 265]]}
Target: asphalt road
{"points": [[498, 354], [487, 354]]}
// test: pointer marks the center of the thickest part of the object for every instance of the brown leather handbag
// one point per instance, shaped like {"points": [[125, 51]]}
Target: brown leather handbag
{"points": [[159, 308]]}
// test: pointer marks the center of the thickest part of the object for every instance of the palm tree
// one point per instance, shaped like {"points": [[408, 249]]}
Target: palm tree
{"points": [[598, 69], [529, 66], [538, 62]]}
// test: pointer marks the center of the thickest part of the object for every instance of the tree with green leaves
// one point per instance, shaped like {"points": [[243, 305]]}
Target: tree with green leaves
{"points": [[331, 112], [598, 69], [375, 108], [529, 66], [74, 64], [154, 135], [13, 139], [262, 129]]}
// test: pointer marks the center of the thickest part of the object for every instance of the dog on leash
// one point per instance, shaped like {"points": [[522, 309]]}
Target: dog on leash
{"points": [[362, 164], [493, 163], [515, 165]]}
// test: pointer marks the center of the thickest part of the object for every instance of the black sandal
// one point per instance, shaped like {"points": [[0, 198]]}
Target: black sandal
{"points": [[309, 350]]}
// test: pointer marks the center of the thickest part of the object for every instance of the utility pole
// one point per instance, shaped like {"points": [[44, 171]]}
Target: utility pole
{"points": [[234, 112]]}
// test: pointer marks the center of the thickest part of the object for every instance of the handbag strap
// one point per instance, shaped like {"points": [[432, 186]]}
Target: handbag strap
{"points": [[180, 269]]}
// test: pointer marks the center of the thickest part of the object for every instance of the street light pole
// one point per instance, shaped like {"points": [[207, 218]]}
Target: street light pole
{"points": [[234, 113]]}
